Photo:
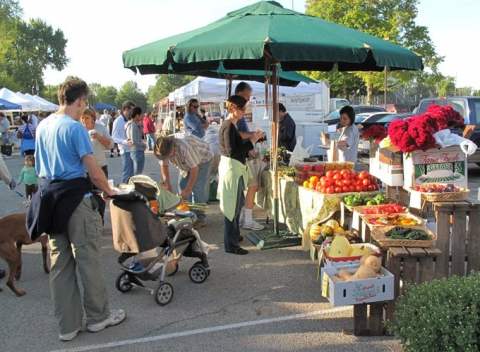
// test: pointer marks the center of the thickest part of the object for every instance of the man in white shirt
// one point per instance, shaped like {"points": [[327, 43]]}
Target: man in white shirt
{"points": [[120, 137], [105, 118]]}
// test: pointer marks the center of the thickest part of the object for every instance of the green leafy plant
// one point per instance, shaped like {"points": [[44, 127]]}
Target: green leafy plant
{"points": [[442, 315]]}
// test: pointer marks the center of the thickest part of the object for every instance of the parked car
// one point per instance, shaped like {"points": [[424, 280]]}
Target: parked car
{"points": [[384, 119]]}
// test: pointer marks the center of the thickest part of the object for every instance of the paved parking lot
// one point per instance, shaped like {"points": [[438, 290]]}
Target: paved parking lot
{"points": [[265, 301]]}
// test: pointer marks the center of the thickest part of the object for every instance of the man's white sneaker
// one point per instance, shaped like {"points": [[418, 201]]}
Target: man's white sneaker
{"points": [[116, 317], [68, 337], [253, 225]]}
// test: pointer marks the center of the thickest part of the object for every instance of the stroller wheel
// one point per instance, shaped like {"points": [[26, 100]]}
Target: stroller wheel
{"points": [[172, 271], [198, 273], [123, 283], [164, 293]]}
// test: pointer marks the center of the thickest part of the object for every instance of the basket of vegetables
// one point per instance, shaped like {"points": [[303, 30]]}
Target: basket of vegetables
{"points": [[399, 236], [439, 192], [355, 200], [390, 208], [403, 220]]}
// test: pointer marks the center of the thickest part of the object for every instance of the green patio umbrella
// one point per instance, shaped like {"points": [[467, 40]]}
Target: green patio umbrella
{"points": [[265, 36], [264, 32]]}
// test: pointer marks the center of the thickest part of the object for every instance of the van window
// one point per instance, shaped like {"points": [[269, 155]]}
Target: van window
{"points": [[476, 109]]}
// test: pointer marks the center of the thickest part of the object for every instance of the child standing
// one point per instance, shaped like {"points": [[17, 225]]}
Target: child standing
{"points": [[28, 176]]}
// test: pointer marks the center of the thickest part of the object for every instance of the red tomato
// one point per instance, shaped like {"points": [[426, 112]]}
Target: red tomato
{"points": [[338, 189], [351, 188], [337, 177], [358, 188], [330, 190], [347, 182], [318, 187], [323, 181], [365, 182], [371, 187], [363, 175], [345, 189], [329, 174]]}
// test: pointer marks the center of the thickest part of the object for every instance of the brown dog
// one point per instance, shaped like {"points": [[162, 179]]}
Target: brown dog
{"points": [[13, 235]]}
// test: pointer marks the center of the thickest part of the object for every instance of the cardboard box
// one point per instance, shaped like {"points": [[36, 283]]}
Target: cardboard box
{"points": [[446, 165], [391, 158], [332, 154], [390, 174], [343, 293]]}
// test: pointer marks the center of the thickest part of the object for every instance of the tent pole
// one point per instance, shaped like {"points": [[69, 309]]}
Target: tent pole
{"points": [[229, 86], [385, 76], [274, 153]]}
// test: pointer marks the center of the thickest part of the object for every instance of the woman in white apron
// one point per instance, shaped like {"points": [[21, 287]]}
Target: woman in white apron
{"points": [[349, 136], [232, 172]]}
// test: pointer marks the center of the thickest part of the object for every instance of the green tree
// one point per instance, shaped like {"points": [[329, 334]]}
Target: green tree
{"points": [[476, 93], [27, 48], [164, 85], [393, 20], [446, 87], [102, 94], [49, 92], [464, 91], [130, 91]]}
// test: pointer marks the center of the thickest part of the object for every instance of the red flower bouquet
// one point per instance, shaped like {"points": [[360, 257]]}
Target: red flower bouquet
{"points": [[416, 132], [374, 132]]}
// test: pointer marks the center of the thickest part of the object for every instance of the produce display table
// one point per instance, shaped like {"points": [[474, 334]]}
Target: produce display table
{"points": [[299, 206]]}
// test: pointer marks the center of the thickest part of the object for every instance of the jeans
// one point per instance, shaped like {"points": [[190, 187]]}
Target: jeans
{"points": [[200, 188], [231, 232], [138, 158], [127, 167], [150, 140], [78, 250]]}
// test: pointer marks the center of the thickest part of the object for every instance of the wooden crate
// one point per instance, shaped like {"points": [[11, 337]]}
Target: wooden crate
{"points": [[458, 237], [409, 266]]}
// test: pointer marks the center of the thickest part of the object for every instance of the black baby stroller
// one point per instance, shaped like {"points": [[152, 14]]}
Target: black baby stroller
{"points": [[150, 247]]}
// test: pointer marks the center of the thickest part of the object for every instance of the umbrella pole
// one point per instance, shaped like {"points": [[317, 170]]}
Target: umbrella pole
{"points": [[229, 86], [274, 153], [385, 76]]}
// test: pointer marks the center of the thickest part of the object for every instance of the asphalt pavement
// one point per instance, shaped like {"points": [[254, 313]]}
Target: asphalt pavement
{"points": [[264, 301]]}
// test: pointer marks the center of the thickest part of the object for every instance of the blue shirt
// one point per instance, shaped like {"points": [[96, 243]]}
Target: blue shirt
{"points": [[60, 145], [193, 125], [242, 125]]}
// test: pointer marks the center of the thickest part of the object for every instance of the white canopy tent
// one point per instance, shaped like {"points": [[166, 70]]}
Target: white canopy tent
{"points": [[25, 103], [35, 105], [214, 90], [45, 103]]}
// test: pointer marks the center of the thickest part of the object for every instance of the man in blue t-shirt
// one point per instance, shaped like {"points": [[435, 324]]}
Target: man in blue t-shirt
{"points": [[64, 155], [192, 122], [254, 164]]}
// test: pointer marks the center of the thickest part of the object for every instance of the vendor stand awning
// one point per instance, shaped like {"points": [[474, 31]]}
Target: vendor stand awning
{"points": [[213, 90], [104, 106], [6, 105], [265, 36]]}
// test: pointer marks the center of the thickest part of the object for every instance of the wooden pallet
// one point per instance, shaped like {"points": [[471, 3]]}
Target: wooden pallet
{"points": [[458, 232]]}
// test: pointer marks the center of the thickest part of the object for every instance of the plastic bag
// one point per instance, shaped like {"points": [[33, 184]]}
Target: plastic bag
{"points": [[446, 138], [299, 153]]}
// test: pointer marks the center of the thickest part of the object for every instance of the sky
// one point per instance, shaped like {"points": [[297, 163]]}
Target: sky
{"points": [[98, 31]]}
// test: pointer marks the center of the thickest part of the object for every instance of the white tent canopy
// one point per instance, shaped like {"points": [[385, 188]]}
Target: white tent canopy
{"points": [[12, 97], [47, 106], [214, 90], [34, 104]]}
